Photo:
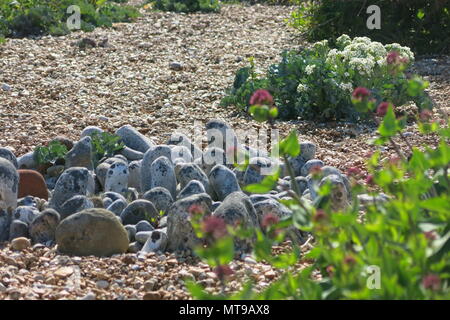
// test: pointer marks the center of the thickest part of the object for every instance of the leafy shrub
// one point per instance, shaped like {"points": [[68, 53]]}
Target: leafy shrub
{"points": [[187, 5], [37, 17], [398, 247], [49, 154], [418, 24], [315, 83], [105, 145]]}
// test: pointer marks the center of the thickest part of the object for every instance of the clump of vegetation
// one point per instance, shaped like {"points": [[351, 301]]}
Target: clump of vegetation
{"points": [[186, 5], [396, 246], [315, 83], [49, 154], [418, 24], [23, 18], [105, 145]]}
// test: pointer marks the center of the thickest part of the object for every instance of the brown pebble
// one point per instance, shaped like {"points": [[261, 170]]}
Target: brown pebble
{"points": [[152, 295], [20, 243]]}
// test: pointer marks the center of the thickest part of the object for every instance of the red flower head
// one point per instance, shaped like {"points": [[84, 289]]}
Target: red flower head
{"points": [[431, 281], [430, 235], [353, 171], [269, 219], [349, 260], [330, 270], [196, 209], [383, 108], [392, 57], [361, 93], [319, 216], [214, 226], [261, 97], [425, 115], [223, 271], [369, 180]]}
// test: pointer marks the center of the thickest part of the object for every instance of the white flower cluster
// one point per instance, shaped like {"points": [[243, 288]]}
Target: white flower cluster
{"points": [[346, 87], [302, 88], [310, 69], [364, 55]]}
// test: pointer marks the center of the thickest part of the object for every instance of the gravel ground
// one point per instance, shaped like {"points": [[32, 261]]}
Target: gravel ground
{"points": [[51, 87]]}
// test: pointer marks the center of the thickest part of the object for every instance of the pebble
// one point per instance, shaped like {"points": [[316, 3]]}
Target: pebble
{"points": [[102, 284], [20, 243]]}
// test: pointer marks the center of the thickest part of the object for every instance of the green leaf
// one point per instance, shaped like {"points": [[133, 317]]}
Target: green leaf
{"points": [[290, 145], [267, 184], [388, 126]]}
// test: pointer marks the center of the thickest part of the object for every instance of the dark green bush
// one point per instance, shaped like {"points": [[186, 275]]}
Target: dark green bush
{"points": [[418, 24], [187, 5], [38, 17]]}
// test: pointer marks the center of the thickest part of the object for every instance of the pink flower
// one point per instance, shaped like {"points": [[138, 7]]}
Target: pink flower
{"points": [[223, 271], [319, 216], [214, 226], [360, 93], [196, 209], [431, 281], [349, 260], [383, 108], [369, 180], [269, 219], [261, 97], [353, 171], [392, 57], [430, 235]]}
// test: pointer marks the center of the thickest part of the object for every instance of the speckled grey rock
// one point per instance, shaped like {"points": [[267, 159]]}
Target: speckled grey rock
{"points": [[27, 161], [101, 171], [221, 135], [80, 155], [181, 139], [25, 214], [215, 205], [73, 182], [160, 197], [308, 150], [134, 139], [179, 229], [43, 228], [155, 152], [5, 222], [90, 130], [162, 174], [255, 198], [9, 181], [142, 236], [95, 232], [181, 152], [302, 184], [297, 163], [75, 204], [338, 196], [114, 196], [117, 177], [144, 225], [7, 154], [131, 231], [134, 176], [28, 201], [107, 202], [157, 241], [18, 229], [131, 155], [257, 169], [139, 210], [117, 206], [210, 158], [193, 187], [190, 171], [223, 181], [271, 206], [311, 164]]}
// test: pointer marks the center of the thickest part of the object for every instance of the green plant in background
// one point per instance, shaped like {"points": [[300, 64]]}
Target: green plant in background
{"points": [[50, 154], [315, 83], [105, 145], [418, 24], [396, 246], [186, 5], [23, 18]]}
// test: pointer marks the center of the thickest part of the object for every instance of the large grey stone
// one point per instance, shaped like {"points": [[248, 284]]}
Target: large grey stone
{"points": [[9, 181], [117, 177], [43, 227], [134, 139], [308, 150], [90, 130], [187, 172], [27, 161], [25, 214], [180, 139], [75, 204], [134, 176], [18, 229], [157, 241], [7, 154], [314, 163], [223, 181], [162, 175], [95, 232], [160, 197], [74, 181], [180, 233], [117, 207], [193, 187], [221, 135], [80, 155], [139, 210]]}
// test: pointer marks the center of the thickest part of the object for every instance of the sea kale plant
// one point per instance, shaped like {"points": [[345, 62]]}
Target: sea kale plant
{"points": [[393, 243], [186, 5], [315, 83]]}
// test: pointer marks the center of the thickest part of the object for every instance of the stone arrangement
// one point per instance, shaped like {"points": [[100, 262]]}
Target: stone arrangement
{"points": [[140, 199]]}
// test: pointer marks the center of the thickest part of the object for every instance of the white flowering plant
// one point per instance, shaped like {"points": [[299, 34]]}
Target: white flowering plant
{"points": [[316, 83]]}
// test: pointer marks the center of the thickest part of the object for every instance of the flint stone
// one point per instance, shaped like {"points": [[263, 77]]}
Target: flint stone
{"points": [[25, 214], [75, 204], [160, 197], [180, 233], [162, 175], [131, 154], [139, 210], [7, 154], [117, 207], [27, 161], [190, 171], [180, 139], [144, 225], [134, 176], [43, 227], [221, 135], [157, 241], [18, 229], [80, 155], [223, 181], [95, 232], [133, 139], [9, 182], [193, 187], [117, 178], [73, 182]]}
